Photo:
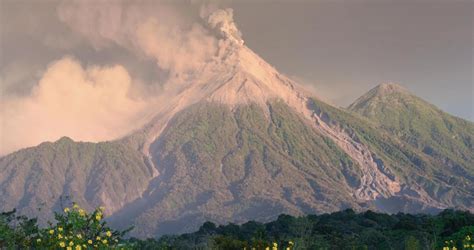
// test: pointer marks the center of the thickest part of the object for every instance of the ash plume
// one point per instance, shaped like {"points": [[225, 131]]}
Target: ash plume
{"points": [[95, 102]]}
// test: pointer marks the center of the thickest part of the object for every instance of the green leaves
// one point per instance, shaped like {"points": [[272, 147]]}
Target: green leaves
{"points": [[340, 230], [17, 231], [75, 229]]}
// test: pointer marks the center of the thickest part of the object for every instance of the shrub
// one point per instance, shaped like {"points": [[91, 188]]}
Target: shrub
{"points": [[75, 229]]}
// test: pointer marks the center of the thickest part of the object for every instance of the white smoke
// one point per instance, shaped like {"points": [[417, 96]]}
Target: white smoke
{"points": [[223, 21], [154, 30]]}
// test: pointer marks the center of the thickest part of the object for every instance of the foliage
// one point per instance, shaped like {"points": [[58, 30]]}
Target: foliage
{"points": [[77, 229], [17, 231], [74, 229], [340, 230]]}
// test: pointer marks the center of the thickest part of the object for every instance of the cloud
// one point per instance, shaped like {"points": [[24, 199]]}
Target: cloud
{"points": [[157, 30], [90, 104], [98, 103]]}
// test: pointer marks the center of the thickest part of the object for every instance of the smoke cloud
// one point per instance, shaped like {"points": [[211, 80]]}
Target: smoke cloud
{"points": [[223, 21], [89, 104], [97, 102], [154, 30]]}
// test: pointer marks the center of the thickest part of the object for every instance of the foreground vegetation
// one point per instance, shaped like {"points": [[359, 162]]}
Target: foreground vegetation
{"points": [[342, 230], [77, 229]]}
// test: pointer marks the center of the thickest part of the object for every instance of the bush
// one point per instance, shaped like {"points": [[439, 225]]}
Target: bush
{"points": [[75, 229]]}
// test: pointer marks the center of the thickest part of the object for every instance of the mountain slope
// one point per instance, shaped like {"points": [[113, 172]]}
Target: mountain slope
{"points": [[425, 179], [223, 164], [444, 139], [226, 165], [418, 123], [92, 174]]}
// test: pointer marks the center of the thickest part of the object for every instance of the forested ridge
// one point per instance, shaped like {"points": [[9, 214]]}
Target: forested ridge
{"points": [[341, 230]]}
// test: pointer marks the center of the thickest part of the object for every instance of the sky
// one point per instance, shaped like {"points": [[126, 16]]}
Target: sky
{"points": [[91, 69], [348, 47]]}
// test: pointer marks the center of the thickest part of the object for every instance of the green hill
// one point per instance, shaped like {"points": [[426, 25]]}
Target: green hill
{"points": [[92, 174]]}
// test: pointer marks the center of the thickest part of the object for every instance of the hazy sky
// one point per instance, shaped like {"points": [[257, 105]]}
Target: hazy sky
{"points": [[88, 69], [347, 47]]}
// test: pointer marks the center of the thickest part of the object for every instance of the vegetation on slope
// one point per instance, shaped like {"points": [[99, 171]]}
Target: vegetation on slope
{"points": [[248, 163], [445, 183], [93, 174], [443, 143], [422, 125]]}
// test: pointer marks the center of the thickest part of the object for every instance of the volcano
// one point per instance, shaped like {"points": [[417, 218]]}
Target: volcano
{"points": [[238, 141]]}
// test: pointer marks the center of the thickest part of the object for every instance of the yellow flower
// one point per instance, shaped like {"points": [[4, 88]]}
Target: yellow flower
{"points": [[60, 236], [108, 233], [82, 212], [90, 242], [79, 236], [275, 246], [71, 243], [95, 246], [62, 244], [38, 240], [291, 243], [60, 229], [51, 231], [75, 206], [104, 241], [66, 210], [102, 208], [97, 238], [69, 248], [78, 247]]}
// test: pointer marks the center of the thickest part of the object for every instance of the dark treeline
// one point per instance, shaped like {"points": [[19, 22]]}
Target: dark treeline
{"points": [[341, 230], [448, 230]]}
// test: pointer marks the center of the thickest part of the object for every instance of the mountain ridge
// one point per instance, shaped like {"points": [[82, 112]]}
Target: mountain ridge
{"points": [[237, 140]]}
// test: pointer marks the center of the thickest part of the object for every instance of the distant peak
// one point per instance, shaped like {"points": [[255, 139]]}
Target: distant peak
{"points": [[388, 88], [382, 92], [64, 139]]}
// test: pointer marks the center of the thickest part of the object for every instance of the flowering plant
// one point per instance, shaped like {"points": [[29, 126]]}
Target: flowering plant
{"points": [[76, 229]]}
